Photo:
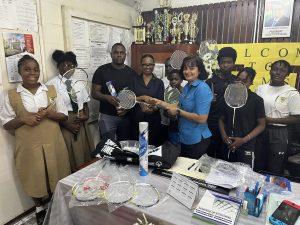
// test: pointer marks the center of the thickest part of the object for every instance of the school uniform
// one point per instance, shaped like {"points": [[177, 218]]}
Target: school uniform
{"points": [[79, 148], [277, 134], [41, 156]]}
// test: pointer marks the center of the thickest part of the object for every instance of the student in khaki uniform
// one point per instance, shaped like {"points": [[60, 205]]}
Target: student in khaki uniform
{"points": [[41, 156], [75, 129]]}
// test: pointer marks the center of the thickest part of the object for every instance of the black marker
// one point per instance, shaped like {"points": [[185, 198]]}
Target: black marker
{"points": [[191, 166]]}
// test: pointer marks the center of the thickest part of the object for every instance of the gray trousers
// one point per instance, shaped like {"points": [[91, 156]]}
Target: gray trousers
{"points": [[277, 140], [114, 127]]}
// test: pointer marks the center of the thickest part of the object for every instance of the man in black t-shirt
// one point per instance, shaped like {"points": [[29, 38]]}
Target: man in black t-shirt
{"points": [[249, 122], [113, 121], [218, 83]]}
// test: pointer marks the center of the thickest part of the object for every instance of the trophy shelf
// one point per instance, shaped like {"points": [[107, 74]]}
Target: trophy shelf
{"points": [[160, 52]]}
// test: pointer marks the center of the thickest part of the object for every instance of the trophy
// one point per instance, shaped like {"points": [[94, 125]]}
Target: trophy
{"points": [[193, 28], [179, 29], [139, 31], [165, 3], [149, 33], [166, 24], [157, 29], [173, 31], [186, 27]]}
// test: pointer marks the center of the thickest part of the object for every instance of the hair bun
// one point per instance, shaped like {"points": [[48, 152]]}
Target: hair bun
{"points": [[57, 55]]}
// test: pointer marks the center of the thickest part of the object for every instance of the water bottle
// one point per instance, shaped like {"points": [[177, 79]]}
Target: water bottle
{"points": [[143, 150]]}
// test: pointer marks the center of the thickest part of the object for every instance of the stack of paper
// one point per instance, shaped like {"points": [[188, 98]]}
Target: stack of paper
{"points": [[187, 167]]}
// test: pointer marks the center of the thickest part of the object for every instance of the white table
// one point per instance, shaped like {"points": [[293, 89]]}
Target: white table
{"points": [[167, 211]]}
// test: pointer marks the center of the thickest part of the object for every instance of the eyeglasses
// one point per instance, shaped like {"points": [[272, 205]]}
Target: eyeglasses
{"points": [[148, 65]]}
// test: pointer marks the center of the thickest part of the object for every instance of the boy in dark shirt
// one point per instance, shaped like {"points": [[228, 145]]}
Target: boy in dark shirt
{"points": [[249, 122], [218, 83]]}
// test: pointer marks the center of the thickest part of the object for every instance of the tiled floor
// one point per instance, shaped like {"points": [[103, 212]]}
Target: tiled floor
{"points": [[28, 220]]}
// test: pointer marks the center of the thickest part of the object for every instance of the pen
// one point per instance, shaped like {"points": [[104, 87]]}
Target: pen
{"points": [[258, 190], [191, 166]]}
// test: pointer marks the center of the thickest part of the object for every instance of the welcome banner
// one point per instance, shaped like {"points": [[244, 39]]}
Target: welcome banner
{"points": [[260, 56]]}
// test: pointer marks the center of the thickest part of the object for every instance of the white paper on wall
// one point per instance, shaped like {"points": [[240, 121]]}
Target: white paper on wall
{"points": [[19, 14], [26, 15], [80, 35], [98, 32], [82, 56]]}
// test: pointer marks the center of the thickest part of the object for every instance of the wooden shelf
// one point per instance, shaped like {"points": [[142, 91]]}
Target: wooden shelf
{"points": [[160, 52]]}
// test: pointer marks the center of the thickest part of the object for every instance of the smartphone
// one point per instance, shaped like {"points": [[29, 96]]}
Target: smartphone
{"points": [[287, 213]]}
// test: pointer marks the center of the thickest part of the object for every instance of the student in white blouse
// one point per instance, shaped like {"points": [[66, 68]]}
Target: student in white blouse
{"points": [[75, 129], [41, 156]]}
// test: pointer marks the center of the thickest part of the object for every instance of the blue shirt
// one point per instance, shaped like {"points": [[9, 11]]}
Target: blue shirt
{"points": [[195, 98]]}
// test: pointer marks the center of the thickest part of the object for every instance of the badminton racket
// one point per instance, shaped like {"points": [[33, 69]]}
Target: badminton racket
{"points": [[119, 192], [89, 189], [171, 95], [145, 195], [235, 96], [127, 99], [77, 85], [281, 104], [176, 59]]}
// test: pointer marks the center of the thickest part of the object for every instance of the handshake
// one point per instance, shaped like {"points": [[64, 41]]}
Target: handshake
{"points": [[154, 104]]}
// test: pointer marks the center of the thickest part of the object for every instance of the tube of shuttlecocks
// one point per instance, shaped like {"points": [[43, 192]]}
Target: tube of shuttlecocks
{"points": [[143, 149]]}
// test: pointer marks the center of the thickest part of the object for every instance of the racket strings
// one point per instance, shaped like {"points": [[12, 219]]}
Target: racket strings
{"points": [[236, 95], [172, 95], [76, 81], [127, 99], [146, 195], [177, 59], [119, 192]]}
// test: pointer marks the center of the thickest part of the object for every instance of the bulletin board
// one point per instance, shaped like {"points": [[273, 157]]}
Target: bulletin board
{"points": [[91, 36], [19, 34]]}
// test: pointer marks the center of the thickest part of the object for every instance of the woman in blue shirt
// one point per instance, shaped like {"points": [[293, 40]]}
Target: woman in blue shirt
{"points": [[193, 109]]}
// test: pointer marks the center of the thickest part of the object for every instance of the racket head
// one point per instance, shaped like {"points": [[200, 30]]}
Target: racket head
{"points": [[119, 192], [171, 95], [127, 99], [89, 189], [176, 59], [236, 95], [281, 103], [78, 79], [145, 195], [51, 102]]}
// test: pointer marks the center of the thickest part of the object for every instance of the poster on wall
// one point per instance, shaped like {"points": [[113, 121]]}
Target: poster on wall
{"points": [[277, 18], [260, 56], [15, 46]]}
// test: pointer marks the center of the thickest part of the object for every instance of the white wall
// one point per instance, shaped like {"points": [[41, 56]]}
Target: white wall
{"points": [[12, 199], [151, 4]]}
